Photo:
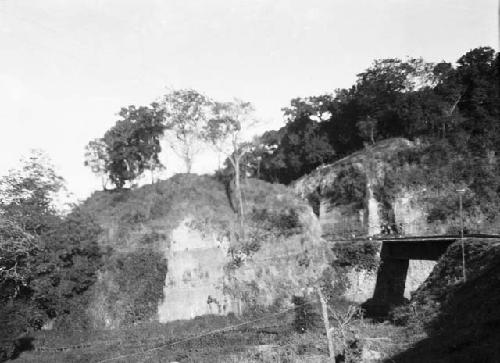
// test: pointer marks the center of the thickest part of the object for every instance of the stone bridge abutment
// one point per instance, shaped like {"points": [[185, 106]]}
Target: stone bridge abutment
{"points": [[395, 257]]}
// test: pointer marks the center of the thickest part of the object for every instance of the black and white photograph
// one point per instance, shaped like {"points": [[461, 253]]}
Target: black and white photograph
{"points": [[268, 181]]}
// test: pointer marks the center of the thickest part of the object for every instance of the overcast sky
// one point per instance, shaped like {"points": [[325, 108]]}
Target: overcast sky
{"points": [[66, 67]]}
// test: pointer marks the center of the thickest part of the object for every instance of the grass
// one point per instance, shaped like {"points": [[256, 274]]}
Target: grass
{"points": [[270, 339], [175, 341], [461, 319]]}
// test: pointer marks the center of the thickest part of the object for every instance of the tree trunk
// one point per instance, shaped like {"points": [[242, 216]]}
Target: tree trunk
{"points": [[326, 322], [239, 195], [189, 163]]}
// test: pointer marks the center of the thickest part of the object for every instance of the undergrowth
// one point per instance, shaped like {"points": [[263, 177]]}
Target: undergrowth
{"points": [[458, 318]]}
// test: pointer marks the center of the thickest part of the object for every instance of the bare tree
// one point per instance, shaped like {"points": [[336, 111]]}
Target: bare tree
{"points": [[344, 322], [186, 114], [96, 158], [224, 132]]}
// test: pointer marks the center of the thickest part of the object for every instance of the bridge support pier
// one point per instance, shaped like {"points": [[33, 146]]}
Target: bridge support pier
{"points": [[390, 286]]}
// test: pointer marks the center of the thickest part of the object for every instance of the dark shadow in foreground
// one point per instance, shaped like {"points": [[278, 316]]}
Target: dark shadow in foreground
{"points": [[467, 328]]}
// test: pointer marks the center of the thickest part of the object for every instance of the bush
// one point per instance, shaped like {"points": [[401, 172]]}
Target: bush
{"points": [[349, 187], [284, 222], [306, 317], [314, 200], [132, 286], [357, 255]]}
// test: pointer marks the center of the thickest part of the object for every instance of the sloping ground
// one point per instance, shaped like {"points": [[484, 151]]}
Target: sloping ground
{"points": [[146, 215], [268, 337], [139, 230], [462, 320], [188, 224], [344, 193], [323, 176]]}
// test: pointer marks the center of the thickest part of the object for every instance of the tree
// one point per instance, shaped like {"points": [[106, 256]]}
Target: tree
{"points": [[16, 250], [96, 158], [368, 128], [317, 108], [224, 132], [186, 113], [66, 265], [27, 193], [130, 147], [304, 147], [381, 88], [478, 74], [47, 261]]}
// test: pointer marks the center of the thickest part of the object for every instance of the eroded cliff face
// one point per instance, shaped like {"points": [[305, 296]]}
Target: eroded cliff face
{"points": [[368, 214], [173, 233], [189, 223], [211, 274], [275, 273], [353, 217], [194, 282], [377, 208]]}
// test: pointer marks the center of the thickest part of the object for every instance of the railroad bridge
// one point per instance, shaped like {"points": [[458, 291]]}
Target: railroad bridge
{"points": [[395, 255]]}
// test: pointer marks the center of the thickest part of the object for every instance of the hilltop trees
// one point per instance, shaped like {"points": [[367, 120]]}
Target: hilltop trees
{"points": [[456, 106], [187, 119], [411, 98], [96, 158], [130, 147], [186, 112], [224, 132]]}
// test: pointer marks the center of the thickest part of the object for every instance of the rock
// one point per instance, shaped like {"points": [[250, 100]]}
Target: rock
{"points": [[369, 355]]}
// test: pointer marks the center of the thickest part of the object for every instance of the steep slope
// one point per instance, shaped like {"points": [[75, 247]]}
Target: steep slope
{"points": [[345, 191], [179, 241], [403, 187], [462, 320]]}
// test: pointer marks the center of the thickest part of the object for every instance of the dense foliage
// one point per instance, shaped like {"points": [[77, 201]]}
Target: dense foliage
{"points": [[357, 255], [459, 317], [348, 187], [47, 261], [132, 287], [458, 105], [130, 147]]}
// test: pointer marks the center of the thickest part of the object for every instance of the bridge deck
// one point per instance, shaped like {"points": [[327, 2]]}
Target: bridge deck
{"points": [[425, 238]]}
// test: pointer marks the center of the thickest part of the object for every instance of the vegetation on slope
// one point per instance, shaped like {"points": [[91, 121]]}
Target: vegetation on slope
{"points": [[461, 319], [451, 112], [141, 217], [393, 98], [48, 262]]}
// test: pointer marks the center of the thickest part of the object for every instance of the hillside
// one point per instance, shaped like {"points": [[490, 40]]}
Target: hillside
{"points": [[461, 320], [345, 192], [179, 240], [144, 217]]}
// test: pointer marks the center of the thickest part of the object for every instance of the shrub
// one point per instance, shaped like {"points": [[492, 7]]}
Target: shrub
{"points": [[306, 317], [132, 286], [357, 255], [282, 222], [349, 187], [314, 200]]}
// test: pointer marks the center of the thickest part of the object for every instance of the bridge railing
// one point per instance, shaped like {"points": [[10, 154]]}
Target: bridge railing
{"points": [[345, 230]]}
